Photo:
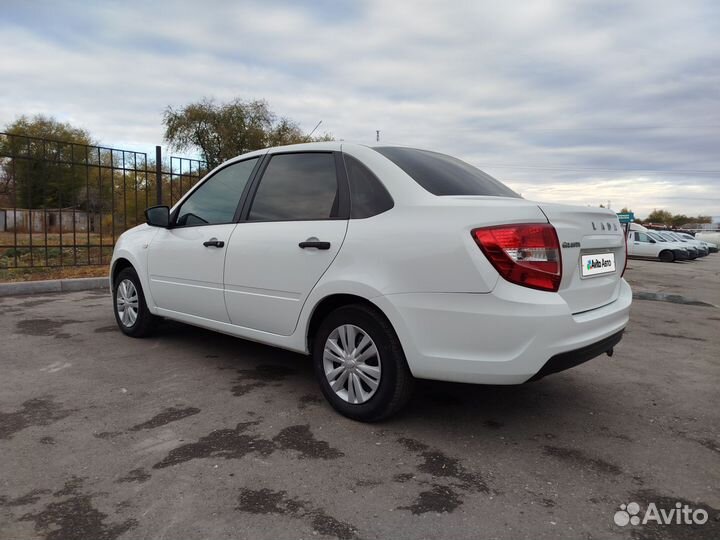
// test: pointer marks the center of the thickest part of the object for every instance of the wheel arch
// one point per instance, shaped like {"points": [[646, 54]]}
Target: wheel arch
{"points": [[118, 266], [125, 258], [330, 303]]}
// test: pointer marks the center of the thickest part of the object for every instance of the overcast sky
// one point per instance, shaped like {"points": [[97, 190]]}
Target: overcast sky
{"points": [[574, 101]]}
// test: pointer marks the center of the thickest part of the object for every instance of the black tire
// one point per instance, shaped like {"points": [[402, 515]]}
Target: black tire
{"points": [[145, 322], [396, 381], [667, 256]]}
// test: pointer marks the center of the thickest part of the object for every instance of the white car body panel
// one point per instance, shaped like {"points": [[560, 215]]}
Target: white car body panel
{"points": [[598, 231], [187, 277], [456, 318], [268, 278]]}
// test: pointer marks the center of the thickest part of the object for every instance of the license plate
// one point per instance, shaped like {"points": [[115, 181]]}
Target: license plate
{"points": [[597, 263]]}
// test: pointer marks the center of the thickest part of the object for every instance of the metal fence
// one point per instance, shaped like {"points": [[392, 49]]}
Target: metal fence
{"points": [[65, 204]]}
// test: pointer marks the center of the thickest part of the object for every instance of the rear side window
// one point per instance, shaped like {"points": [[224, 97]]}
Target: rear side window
{"points": [[368, 197], [445, 175], [297, 187]]}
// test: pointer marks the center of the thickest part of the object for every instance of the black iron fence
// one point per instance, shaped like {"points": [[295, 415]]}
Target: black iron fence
{"points": [[65, 204]]}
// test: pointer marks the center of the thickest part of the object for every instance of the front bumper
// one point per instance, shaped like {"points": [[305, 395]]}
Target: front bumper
{"points": [[503, 337], [681, 254]]}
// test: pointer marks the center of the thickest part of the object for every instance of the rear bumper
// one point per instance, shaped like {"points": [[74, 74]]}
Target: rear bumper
{"points": [[570, 359], [503, 337]]}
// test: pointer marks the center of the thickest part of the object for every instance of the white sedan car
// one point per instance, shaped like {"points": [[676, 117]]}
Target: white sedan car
{"points": [[385, 264]]}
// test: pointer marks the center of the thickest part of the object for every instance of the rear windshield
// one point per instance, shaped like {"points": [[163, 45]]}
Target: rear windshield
{"points": [[444, 175]]}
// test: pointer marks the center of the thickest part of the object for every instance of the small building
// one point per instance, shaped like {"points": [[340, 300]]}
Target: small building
{"points": [[51, 220]]}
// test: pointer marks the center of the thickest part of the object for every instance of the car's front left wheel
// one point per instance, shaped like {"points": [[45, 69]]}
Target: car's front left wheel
{"points": [[360, 364], [131, 312]]}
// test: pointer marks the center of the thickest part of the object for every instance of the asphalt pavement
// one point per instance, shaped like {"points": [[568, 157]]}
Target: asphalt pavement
{"points": [[191, 434]]}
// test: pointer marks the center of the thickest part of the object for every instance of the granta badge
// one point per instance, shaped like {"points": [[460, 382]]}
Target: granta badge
{"points": [[571, 244]]}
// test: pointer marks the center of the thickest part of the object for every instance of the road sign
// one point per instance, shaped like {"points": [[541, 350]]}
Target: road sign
{"points": [[627, 217]]}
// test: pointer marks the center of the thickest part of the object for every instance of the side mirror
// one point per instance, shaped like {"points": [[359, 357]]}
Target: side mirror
{"points": [[158, 216]]}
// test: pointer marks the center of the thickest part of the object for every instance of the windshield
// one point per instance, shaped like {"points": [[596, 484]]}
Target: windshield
{"points": [[444, 175], [656, 236], [669, 237]]}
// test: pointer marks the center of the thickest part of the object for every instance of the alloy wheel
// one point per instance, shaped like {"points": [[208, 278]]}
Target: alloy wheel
{"points": [[127, 303], [352, 365]]}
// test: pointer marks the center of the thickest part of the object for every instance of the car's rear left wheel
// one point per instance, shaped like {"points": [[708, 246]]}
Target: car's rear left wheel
{"points": [[360, 364]]}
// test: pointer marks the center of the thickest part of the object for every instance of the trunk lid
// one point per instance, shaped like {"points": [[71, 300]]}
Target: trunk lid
{"points": [[587, 231]]}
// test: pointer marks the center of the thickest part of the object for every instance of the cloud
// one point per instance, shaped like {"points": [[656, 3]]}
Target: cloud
{"points": [[577, 102]]}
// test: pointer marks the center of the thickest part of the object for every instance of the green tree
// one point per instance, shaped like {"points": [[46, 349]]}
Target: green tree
{"points": [[37, 167], [660, 216], [221, 131], [679, 220]]}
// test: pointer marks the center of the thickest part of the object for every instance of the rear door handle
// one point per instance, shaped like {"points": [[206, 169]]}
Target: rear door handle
{"points": [[314, 243], [214, 242]]}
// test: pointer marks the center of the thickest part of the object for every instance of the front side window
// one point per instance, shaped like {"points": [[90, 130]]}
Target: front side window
{"points": [[642, 237], [297, 187], [217, 199], [444, 175]]}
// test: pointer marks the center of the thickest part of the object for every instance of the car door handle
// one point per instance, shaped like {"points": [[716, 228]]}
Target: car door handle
{"points": [[214, 242], [314, 243]]}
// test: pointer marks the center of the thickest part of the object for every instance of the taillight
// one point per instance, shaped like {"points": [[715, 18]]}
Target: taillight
{"points": [[625, 265], [527, 254]]}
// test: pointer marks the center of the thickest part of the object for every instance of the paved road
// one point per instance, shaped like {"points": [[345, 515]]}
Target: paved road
{"points": [[191, 434]]}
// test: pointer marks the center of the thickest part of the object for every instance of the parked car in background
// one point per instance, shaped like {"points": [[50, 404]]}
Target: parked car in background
{"points": [[684, 237], [641, 245], [383, 263], [689, 244], [692, 252]]}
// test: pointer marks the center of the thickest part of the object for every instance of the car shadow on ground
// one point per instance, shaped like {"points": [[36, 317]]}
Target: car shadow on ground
{"points": [[493, 406]]}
